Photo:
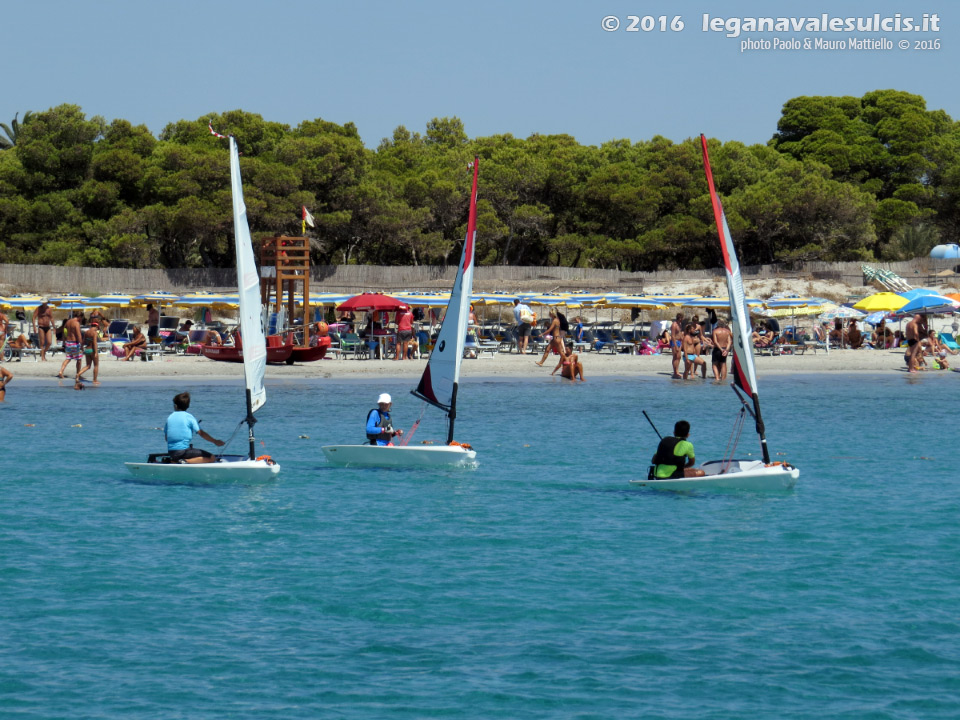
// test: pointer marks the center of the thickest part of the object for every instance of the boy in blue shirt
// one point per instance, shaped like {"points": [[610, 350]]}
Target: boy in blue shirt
{"points": [[179, 430]]}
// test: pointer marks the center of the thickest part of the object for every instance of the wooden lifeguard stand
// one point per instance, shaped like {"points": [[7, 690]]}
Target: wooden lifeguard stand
{"points": [[284, 262]]}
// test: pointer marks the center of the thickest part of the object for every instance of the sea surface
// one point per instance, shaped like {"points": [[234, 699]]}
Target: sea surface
{"points": [[539, 585]]}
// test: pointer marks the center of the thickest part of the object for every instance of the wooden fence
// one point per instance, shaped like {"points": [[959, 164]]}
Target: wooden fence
{"points": [[349, 278]]}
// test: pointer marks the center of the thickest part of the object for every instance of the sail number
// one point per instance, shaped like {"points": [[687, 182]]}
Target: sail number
{"points": [[645, 23]]}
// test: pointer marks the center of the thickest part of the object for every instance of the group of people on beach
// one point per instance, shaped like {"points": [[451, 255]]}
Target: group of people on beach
{"points": [[689, 340], [558, 339]]}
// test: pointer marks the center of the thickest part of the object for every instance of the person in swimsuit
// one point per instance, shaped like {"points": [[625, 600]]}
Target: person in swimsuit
{"points": [[556, 340], [4, 324], [91, 352], [722, 345], [570, 366], [915, 330], [691, 353], [43, 326], [5, 377], [137, 342], [153, 322], [72, 341], [676, 344]]}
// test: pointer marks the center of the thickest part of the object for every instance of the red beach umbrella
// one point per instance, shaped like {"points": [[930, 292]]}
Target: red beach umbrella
{"points": [[372, 302]]}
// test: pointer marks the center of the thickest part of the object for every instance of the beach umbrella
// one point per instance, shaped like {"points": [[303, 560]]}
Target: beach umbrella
{"points": [[887, 301], [917, 292], [22, 302], [79, 306], [929, 305], [717, 302], [635, 301], [791, 311], [546, 299], [213, 300], [426, 300], [493, 298], [158, 297], [111, 300], [874, 318], [372, 302], [831, 312]]}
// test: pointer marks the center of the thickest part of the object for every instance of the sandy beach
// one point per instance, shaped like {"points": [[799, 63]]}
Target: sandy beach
{"points": [[502, 365]]}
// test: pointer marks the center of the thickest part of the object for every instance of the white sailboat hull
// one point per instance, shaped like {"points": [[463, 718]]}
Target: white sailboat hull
{"points": [[230, 471], [740, 475], [400, 456]]}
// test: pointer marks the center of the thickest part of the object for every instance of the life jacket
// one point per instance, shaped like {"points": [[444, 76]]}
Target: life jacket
{"points": [[374, 437], [665, 456]]}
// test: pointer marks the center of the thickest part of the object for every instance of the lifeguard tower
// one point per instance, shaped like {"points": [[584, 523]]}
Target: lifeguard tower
{"points": [[284, 262]]}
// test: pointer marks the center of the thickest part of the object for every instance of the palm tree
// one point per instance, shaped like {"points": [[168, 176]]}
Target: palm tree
{"points": [[13, 130]]}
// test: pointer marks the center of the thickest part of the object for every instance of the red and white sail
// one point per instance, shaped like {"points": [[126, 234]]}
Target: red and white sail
{"points": [[438, 385], [745, 372]]}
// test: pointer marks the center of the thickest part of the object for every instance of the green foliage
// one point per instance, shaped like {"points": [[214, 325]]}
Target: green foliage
{"points": [[843, 178]]}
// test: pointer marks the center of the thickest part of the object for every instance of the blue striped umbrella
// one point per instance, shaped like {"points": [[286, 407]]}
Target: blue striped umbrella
{"points": [[23, 302]]}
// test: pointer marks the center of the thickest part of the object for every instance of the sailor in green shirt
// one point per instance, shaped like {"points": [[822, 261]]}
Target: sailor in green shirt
{"points": [[674, 457]]}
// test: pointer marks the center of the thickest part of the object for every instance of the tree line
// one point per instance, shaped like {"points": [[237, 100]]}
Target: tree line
{"points": [[842, 178]]}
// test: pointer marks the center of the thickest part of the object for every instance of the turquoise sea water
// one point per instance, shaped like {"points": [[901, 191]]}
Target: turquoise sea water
{"points": [[540, 585]]}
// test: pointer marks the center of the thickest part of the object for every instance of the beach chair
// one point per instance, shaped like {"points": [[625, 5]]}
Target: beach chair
{"points": [[774, 347], [948, 341], [509, 340], [351, 343], [604, 341]]}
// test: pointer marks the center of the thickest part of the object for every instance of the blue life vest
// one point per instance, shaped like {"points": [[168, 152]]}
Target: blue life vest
{"points": [[380, 415]]}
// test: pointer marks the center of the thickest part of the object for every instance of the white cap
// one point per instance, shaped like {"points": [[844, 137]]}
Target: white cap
{"points": [[384, 399]]}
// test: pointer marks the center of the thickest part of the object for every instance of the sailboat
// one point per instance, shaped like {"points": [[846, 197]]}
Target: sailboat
{"points": [[441, 378], [731, 473], [231, 468]]}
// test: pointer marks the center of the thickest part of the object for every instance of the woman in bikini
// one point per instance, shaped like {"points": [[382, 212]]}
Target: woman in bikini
{"points": [[570, 365], [43, 325], [556, 341]]}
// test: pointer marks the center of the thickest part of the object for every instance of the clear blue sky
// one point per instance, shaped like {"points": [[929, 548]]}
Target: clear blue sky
{"points": [[519, 67]]}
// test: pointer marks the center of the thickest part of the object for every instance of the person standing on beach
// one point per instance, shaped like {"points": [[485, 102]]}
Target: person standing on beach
{"points": [[916, 329], [676, 344], [72, 341], [153, 322], [556, 338], [5, 377], [43, 327], [91, 352], [404, 333], [722, 345], [674, 457], [179, 431], [691, 352], [4, 324], [524, 318]]}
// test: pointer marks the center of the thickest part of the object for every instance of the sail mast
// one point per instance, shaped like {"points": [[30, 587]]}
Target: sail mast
{"points": [[248, 285], [745, 373], [441, 378]]}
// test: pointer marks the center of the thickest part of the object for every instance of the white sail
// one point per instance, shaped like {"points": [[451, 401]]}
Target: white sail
{"points": [[248, 283], [442, 374]]}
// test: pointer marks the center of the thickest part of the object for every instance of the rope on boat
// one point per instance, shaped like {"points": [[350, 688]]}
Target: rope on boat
{"points": [[230, 439], [408, 436], [733, 440]]}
